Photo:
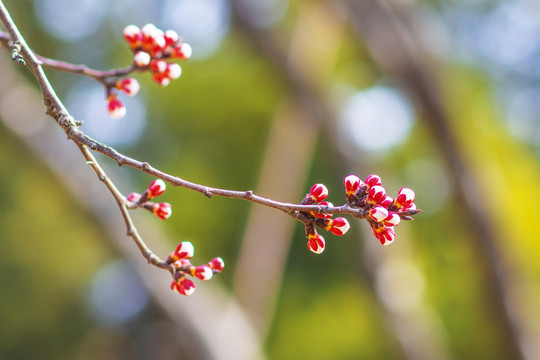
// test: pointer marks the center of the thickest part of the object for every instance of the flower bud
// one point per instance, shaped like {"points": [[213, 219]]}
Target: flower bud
{"points": [[161, 79], [387, 201], [115, 107], [318, 192], [181, 263], [173, 71], [162, 210], [373, 180], [378, 213], [156, 188], [376, 194], [405, 197], [171, 37], [158, 40], [352, 184], [133, 197], [142, 59], [184, 250], [338, 226], [316, 243], [217, 264], [130, 86], [152, 38], [392, 219], [411, 206], [181, 51], [183, 286], [158, 66], [203, 272], [132, 35], [385, 234]]}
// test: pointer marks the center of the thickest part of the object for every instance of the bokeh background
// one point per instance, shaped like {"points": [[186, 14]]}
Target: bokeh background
{"points": [[439, 96]]}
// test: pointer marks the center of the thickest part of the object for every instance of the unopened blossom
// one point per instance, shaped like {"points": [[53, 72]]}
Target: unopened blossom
{"points": [[156, 188], [184, 250], [129, 86], [115, 107], [183, 286], [203, 272], [217, 264], [338, 226], [318, 192], [162, 210], [315, 243]]}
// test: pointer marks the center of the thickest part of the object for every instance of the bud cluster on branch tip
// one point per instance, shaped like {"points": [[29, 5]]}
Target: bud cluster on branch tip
{"points": [[156, 188], [150, 46], [180, 259], [383, 212], [337, 226]]}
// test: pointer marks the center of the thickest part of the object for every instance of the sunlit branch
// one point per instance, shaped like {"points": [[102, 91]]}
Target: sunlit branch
{"points": [[56, 109]]}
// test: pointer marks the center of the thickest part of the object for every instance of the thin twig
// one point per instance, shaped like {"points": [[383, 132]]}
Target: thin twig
{"points": [[82, 69], [56, 109], [82, 138], [122, 205]]}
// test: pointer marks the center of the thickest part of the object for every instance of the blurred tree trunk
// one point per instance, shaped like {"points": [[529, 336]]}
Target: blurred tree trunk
{"points": [[394, 48]]}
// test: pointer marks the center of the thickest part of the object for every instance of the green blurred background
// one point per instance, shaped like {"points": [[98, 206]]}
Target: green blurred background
{"points": [[324, 84]]}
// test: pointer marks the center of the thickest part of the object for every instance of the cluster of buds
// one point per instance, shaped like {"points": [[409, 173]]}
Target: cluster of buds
{"points": [[338, 226], [151, 47], [180, 259], [383, 212], [156, 188]]}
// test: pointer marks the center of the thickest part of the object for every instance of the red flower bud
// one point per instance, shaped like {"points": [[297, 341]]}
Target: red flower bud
{"points": [[411, 206], [156, 188], [203, 272], [352, 184], [217, 264], [142, 59], [316, 243], [173, 71], [133, 197], [373, 180], [115, 107], [376, 194], [387, 201], [181, 263], [318, 192], [183, 286], [181, 51], [162, 210], [158, 66], [184, 250], [385, 234], [405, 197], [378, 213], [133, 36], [170, 37], [392, 219], [130, 86], [153, 39], [338, 226], [161, 79]]}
